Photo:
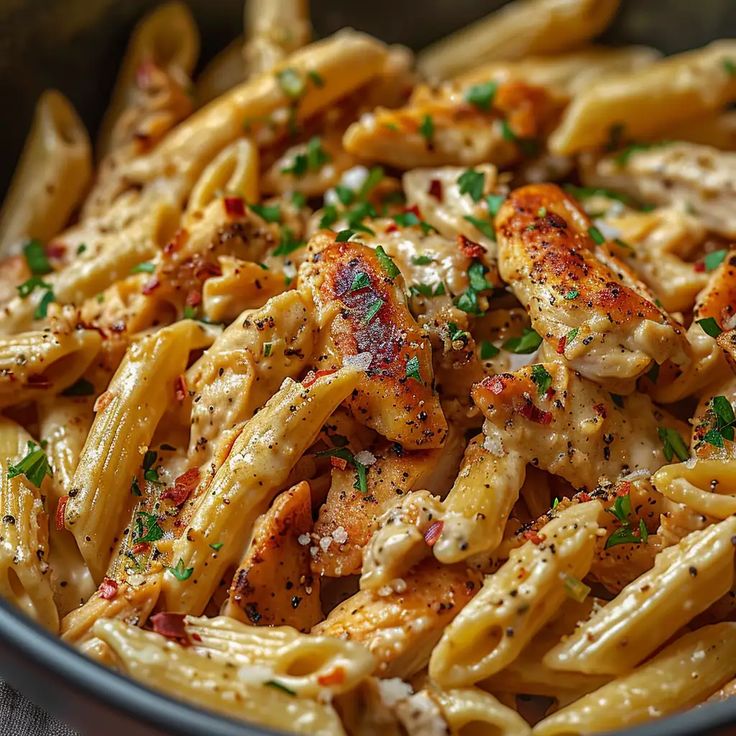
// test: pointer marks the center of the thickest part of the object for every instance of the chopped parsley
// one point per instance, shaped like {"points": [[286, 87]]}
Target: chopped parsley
{"points": [[542, 378], [387, 264], [709, 326], [288, 243], [217, 546], [596, 235], [373, 309], [571, 335], [525, 344], [725, 420], [280, 686], [574, 588], [345, 194], [81, 248], [477, 276], [35, 256], [375, 175], [427, 290], [410, 219], [361, 482], [313, 158], [481, 95], [494, 202], [180, 572], [135, 489], [426, 129], [360, 281], [344, 235], [472, 182], [267, 348], [82, 387], [316, 78], [29, 286], [412, 369], [421, 260], [621, 510], [456, 333], [329, 216], [484, 226], [468, 300], [714, 259], [572, 294], [298, 200], [528, 146], [43, 306], [149, 472], [146, 528], [488, 350], [673, 444], [291, 82], [269, 213], [729, 66], [34, 466], [145, 267]]}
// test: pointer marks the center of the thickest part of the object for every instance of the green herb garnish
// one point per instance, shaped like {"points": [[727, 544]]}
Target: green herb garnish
{"points": [[525, 344], [180, 572], [673, 444], [542, 378], [34, 466], [472, 182], [481, 95]]}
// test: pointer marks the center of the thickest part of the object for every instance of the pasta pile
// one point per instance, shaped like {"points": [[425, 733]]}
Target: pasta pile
{"points": [[346, 394]]}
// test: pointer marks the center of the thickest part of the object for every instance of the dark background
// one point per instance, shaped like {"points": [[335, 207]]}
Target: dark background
{"points": [[75, 45]]}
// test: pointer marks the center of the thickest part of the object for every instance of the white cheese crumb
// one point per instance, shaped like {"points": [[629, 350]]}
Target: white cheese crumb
{"points": [[392, 690], [361, 361], [325, 543], [365, 458], [355, 178], [303, 539], [340, 535], [493, 445]]}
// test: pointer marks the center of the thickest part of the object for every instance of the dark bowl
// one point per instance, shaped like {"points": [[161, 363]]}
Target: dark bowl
{"points": [[75, 46]]}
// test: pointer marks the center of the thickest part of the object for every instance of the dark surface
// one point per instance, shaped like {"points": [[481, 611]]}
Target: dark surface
{"points": [[75, 46]]}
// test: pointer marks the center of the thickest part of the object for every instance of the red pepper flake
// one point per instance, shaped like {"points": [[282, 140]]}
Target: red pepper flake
{"points": [[194, 298], [195, 636], [170, 625], [312, 377], [414, 209], [433, 532], [183, 487], [469, 247], [699, 266], [549, 394], [583, 496], [392, 228], [103, 400], [533, 536], [144, 74], [336, 677], [37, 381], [177, 242], [139, 548], [495, 384], [56, 250], [534, 414], [108, 589], [435, 189], [338, 462], [151, 286], [180, 388], [600, 410], [561, 343], [205, 269], [60, 509], [234, 206], [623, 488]]}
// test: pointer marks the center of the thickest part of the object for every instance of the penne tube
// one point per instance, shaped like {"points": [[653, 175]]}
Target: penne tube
{"points": [[167, 38], [35, 365], [523, 28], [243, 691], [51, 177], [685, 580], [647, 102], [685, 673], [343, 62], [246, 483], [515, 602], [705, 486], [25, 575], [128, 412], [274, 29], [472, 708]]}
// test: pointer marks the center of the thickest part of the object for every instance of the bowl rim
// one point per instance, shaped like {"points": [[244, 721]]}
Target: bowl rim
{"points": [[154, 708]]}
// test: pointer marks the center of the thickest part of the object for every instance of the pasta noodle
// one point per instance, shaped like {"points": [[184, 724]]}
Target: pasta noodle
{"points": [[359, 393]]}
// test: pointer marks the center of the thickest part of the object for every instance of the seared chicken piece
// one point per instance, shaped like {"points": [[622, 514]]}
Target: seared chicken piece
{"points": [[273, 585], [401, 624], [699, 178], [441, 127], [580, 298], [361, 309], [714, 310]]}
